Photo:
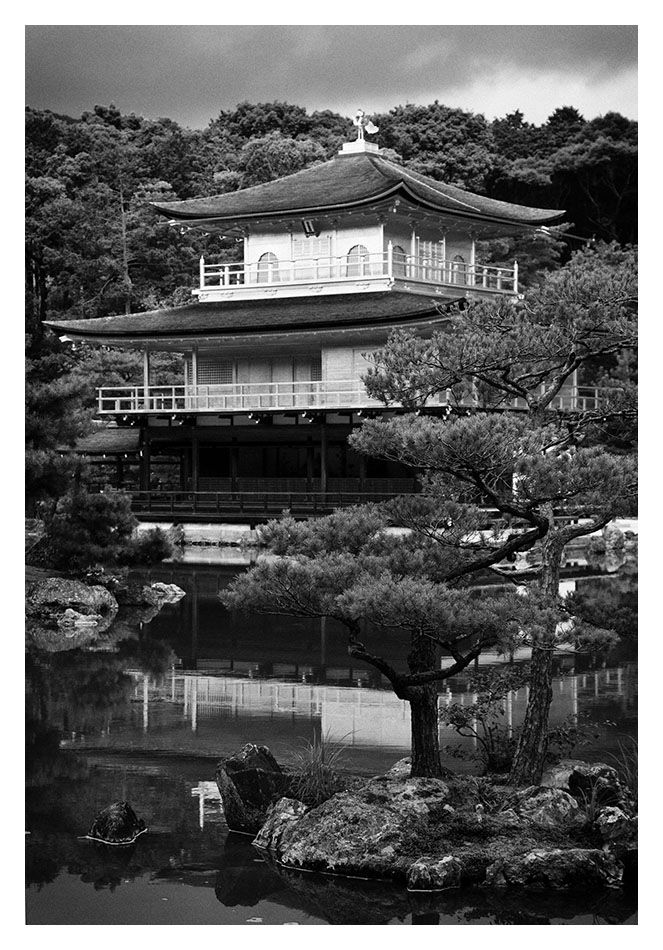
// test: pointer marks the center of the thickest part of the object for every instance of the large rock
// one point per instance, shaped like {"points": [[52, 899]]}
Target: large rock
{"points": [[57, 600], [549, 808], [250, 782], [117, 825], [434, 874], [588, 782], [280, 822], [619, 832], [596, 783], [616, 827], [148, 595], [557, 868], [429, 797], [557, 776], [347, 835], [366, 832]]}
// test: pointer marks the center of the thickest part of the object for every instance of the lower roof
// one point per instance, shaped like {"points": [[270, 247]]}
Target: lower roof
{"points": [[109, 440], [246, 318]]}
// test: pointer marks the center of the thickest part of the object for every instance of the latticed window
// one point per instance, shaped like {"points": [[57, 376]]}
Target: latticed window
{"points": [[459, 270], [310, 248], [430, 251], [213, 371], [268, 268], [399, 261], [357, 261]]}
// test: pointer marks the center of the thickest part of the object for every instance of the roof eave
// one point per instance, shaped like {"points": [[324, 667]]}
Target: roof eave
{"points": [[400, 189]]}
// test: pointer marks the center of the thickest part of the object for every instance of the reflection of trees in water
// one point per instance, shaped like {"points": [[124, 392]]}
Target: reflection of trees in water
{"points": [[81, 690], [77, 691], [608, 602]]}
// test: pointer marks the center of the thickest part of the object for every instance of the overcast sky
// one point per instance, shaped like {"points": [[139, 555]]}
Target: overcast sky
{"points": [[189, 73]]}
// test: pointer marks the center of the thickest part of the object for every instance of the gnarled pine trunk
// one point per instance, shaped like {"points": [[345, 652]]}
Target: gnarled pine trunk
{"points": [[425, 731], [530, 758], [423, 710]]}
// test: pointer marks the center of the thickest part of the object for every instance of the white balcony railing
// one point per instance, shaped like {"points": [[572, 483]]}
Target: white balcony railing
{"points": [[256, 397], [390, 265]]}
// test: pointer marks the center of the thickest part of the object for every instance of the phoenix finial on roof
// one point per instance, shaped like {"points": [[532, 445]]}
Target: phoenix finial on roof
{"points": [[363, 125]]}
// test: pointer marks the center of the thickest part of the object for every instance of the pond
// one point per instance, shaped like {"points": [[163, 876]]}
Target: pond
{"points": [[146, 713]]}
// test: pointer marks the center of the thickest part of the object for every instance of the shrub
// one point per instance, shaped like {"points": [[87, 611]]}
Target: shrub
{"points": [[89, 528], [483, 719], [96, 528], [148, 548]]}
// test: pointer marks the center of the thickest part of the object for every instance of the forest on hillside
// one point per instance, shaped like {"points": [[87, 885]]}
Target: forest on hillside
{"points": [[95, 246]]}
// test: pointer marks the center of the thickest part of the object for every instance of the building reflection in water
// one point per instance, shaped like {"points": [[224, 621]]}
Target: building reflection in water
{"points": [[361, 719]]}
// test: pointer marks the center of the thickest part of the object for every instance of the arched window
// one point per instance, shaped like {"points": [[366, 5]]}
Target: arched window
{"points": [[268, 268], [357, 261], [399, 261], [458, 270]]}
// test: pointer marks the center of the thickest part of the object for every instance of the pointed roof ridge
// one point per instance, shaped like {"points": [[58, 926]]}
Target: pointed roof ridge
{"points": [[408, 173]]}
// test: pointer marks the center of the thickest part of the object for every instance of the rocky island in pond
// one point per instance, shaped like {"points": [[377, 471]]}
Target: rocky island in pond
{"points": [[577, 829]]}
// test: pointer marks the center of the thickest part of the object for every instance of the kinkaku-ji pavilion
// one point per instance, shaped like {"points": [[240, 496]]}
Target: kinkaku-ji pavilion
{"points": [[335, 257]]}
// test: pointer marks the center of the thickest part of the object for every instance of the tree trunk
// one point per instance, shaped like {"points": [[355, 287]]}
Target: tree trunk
{"points": [[530, 758], [423, 710], [425, 731]]}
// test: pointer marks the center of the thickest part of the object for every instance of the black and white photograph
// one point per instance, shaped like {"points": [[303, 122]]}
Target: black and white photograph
{"points": [[331, 522]]}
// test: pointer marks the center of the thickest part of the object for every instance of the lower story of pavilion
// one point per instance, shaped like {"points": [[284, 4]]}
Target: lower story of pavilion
{"points": [[238, 468]]}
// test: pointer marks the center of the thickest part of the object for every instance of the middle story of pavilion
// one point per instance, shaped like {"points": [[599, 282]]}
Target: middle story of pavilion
{"points": [[274, 347]]}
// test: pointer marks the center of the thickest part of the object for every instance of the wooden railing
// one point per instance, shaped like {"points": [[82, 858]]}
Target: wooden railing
{"points": [[257, 506], [247, 505], [390, 264], [303, 396]]}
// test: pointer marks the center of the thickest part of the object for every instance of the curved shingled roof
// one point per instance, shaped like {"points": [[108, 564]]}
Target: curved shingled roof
{"points": [[348, 181], [337, 311]]}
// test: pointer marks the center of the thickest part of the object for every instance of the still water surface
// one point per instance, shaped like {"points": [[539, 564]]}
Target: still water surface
{"points": [[144, 714]]}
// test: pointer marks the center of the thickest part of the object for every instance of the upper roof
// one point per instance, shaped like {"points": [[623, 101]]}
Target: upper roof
{"points": [[349, 181], [249, 318]]}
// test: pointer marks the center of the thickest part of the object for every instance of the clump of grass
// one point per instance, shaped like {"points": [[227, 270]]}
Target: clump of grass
{"points": [[315, 770], [592, 802], [626, 763]]}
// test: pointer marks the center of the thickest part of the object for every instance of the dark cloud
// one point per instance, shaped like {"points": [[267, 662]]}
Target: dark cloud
{"points": [[191, 72]]}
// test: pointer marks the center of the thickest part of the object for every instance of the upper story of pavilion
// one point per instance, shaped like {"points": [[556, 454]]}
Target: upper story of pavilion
{"points": [[356, 224], [336, 257]]}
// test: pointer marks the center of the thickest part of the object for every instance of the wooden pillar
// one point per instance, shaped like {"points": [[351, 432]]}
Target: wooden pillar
{"points": [[234, 465], [195, 453], [323, 456], [183, 469], [145, 462], [323, 643], [146, 377], [193, 386], [310, 455], [362, 472]]}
